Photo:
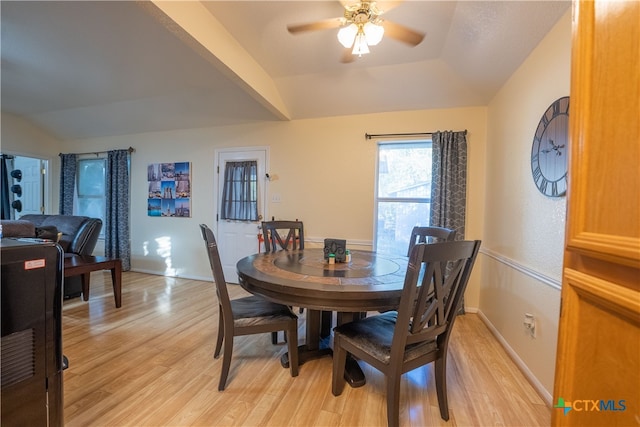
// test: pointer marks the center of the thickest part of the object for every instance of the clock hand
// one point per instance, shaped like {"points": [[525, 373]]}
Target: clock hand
{"points": [[554, 147]]}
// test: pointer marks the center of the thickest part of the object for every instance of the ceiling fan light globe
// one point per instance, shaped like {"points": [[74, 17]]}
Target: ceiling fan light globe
{"points": [[347, 35], [373, 33], [360, 46]]}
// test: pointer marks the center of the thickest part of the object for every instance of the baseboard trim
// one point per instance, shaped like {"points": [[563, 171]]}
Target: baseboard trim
{"points": [[537, 385], [159, 273]]}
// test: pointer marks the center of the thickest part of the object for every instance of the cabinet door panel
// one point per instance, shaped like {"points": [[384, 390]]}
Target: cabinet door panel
{"points": [[598, 357], [605, 179]]}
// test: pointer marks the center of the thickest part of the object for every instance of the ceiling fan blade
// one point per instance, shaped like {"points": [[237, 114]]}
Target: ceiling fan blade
{"points": [[402, 33], [387, 5], [347, 57], [318, 25]]}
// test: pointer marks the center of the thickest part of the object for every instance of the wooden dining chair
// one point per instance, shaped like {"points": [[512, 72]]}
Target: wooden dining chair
{"points": [[246, 316], [273, 241], [429, 235], [275, 230], [418, 332]]}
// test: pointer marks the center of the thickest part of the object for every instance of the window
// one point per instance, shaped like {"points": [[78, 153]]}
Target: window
{"points": [[91, 186], [403, 193], [240, 193]]}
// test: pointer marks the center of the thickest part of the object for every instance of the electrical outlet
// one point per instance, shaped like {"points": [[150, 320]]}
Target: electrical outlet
{"points": [[530, 324]]}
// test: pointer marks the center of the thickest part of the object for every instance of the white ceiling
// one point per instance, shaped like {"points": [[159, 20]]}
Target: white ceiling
{"points": [[82, 69]]}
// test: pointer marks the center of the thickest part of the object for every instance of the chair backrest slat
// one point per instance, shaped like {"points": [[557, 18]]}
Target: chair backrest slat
{"points": [[428, 307], [274, 230]]}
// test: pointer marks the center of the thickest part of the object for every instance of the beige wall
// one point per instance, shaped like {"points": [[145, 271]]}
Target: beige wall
{"points": [[19, 136], [318, 165], [524, 230]]}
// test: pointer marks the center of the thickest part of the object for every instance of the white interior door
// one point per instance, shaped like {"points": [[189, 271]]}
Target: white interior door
{"points": [[32, 184], [238, 239]]}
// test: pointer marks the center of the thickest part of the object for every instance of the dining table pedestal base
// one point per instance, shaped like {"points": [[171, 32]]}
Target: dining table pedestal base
{"points": [[319, 325], [353, 374]]}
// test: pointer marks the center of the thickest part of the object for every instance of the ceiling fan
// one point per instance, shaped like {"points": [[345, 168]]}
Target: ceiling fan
{"points": [[362, 26]]}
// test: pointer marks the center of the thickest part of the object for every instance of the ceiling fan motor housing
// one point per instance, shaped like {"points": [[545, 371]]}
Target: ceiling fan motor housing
{"points": [[361, 13]]}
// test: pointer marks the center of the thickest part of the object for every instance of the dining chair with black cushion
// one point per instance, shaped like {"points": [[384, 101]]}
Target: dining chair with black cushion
{"points": [[246, 316], [417, 333], [275, 230], [430, 235]]}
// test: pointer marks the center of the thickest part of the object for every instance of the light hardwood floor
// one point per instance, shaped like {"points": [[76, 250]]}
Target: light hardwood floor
{"points": [[150, 363]]}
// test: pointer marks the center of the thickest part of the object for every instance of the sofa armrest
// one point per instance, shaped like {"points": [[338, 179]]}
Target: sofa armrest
{"points": [[86, 237], [17, 228]]}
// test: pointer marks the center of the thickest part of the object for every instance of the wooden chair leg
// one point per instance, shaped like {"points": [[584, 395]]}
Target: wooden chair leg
{"points": [[292, 341], [441, 386], [226, 362], [393, 399], [216, 353], [339, 362]]}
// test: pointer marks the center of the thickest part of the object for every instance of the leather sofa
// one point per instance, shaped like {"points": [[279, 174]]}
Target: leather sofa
{"points": [[79, 233], [75, 234]]}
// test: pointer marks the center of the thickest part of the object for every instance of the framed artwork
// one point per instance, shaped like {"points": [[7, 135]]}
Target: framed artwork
{"points": [[169, 189]]}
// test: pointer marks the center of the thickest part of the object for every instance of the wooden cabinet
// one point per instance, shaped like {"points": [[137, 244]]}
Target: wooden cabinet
{"points": [[598, 359]]}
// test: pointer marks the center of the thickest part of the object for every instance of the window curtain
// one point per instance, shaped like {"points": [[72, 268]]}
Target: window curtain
{"points": [[5, 213], [67, 182], [240, 191], [116, 242], [449, 186]]}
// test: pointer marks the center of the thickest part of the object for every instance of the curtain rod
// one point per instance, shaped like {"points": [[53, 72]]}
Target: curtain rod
{"points": [[130, 150], [388, 135]]}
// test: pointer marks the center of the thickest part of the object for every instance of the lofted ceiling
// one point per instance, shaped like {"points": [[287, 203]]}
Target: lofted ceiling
{"points": [[82, 69]]}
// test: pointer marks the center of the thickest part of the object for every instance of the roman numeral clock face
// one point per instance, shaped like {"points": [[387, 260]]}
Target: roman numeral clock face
{"points": [[549, 150]]}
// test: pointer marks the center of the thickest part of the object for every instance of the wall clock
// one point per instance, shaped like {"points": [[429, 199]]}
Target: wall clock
{"points": [[549, 150]]}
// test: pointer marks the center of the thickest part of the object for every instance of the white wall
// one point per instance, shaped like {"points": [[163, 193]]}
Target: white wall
{"points": [[524, 230]]}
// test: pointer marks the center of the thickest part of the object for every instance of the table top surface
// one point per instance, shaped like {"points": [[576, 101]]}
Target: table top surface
{"points": [[371, 281]]}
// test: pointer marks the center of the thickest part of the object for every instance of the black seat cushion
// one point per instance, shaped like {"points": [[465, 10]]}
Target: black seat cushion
{"points": [[254, 310], [374, 334]]}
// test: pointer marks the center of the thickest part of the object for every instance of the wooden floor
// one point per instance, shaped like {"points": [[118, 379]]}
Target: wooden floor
{"points": [[150, 363]]}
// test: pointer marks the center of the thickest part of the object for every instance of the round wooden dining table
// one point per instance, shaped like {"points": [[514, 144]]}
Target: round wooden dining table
{"points": [[303, 278]]}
